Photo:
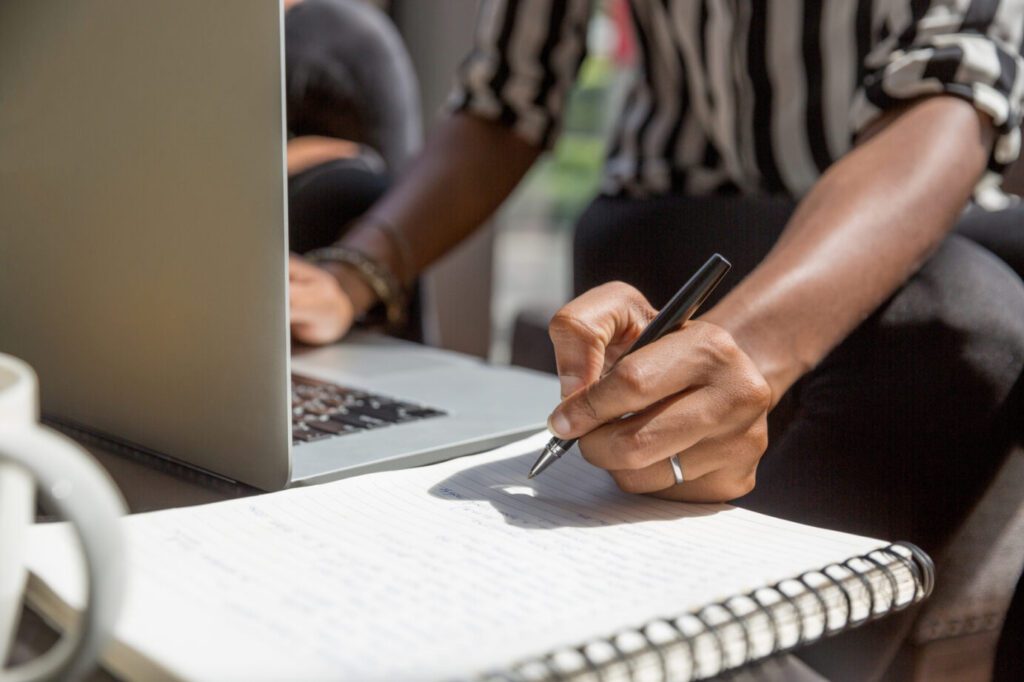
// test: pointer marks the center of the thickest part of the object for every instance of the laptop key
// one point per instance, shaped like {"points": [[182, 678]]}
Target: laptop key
{"points": [[353, 420], [392, 413], [424, 412], [303, 434], [317, 408], [326, 425]]}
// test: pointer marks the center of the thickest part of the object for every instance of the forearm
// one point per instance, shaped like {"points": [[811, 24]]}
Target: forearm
{"points": [[868, 224], [467, 169]]}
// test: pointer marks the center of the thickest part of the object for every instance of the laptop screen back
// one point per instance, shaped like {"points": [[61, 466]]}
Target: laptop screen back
{"points": [[143, 258]]}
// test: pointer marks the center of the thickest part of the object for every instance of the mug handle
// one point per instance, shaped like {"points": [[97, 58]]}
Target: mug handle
{"points": [[71, 484]]}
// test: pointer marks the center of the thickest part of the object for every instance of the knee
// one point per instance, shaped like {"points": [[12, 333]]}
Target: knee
{"points": [[320, 43], [962, 316], [349, 76]]}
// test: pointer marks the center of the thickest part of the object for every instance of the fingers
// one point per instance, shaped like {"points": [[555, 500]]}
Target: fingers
{"points": [[306, 298], [717, 426], [714, 470], [302, 303], [319, 310], [698, 354], [656, 477], [603, 321], [684, 424], [639, 441], [301, 270], [720, 486]]}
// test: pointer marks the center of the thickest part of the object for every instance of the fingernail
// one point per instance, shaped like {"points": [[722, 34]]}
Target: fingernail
{"points": [[559, 425], [570, 385]]}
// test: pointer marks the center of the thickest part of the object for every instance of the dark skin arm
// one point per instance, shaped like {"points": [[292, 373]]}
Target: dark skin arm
{"points": [[469, 166], [704, 391], [871, 222]]}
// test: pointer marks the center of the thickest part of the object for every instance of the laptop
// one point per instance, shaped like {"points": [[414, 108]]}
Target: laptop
{"points": [[143, 258]]}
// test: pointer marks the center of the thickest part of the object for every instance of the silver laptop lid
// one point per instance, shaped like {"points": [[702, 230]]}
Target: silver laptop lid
{"points": [[143, 226]]}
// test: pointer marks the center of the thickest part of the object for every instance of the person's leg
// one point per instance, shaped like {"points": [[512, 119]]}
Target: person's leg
{"points": [[349, 76], [899, 429], [330, 46], [655, 244], [323, 200], [1001, 232], [1008, 666]]}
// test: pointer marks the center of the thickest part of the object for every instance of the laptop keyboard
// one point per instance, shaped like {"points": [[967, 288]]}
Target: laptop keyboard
{"points": [[324, 410]]}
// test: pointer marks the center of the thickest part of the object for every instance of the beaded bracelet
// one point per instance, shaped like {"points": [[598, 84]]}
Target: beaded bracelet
{"points": [[378, 277]]}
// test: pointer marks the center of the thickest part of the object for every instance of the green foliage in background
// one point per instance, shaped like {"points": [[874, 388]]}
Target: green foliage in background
{"points": [[563, 183]]}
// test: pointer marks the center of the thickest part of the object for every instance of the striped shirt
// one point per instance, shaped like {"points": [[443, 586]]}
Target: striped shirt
{"points": [[754, 96]]}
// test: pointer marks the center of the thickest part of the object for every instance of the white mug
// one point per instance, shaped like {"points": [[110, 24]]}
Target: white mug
{"points": [[34, 459]]}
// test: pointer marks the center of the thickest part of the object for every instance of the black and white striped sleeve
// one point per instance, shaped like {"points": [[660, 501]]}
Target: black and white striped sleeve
{"points": [[965, 48], [524, 60]]}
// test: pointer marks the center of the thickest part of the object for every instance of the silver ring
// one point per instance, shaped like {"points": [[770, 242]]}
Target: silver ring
{"points": [[677, 468]]}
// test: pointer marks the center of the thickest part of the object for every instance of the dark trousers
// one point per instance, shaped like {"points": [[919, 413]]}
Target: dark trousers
{"points": [[902, 426], [325, 199]]}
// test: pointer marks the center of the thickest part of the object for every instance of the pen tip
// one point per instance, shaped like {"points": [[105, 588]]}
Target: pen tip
{"points": [[531, 474]]}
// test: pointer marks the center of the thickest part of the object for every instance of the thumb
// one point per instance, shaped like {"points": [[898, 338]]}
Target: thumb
{"points": [[591, 331]]}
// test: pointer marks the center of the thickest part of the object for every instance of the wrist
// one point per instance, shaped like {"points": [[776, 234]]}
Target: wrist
{"points": [[775, 358], [351, 265], [380, 240], [359, 292]]}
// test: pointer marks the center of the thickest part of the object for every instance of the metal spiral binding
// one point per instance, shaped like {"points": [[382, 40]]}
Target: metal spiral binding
{"points": [[918, 564]]}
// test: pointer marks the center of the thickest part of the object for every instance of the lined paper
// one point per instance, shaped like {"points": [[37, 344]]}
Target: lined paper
{"points": [[439, 572]]}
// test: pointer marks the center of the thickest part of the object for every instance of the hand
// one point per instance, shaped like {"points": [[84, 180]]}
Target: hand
{"points": [[321, 311], [693, 392]]}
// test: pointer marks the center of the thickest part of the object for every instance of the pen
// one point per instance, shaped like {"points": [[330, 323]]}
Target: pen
{"points": [[677, 311]]}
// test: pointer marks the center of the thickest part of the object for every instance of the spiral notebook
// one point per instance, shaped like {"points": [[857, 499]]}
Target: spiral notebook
{"points": [[467, 570]]}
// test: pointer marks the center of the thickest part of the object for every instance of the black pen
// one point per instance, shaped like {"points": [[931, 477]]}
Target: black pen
{"points": [[676, 312]]}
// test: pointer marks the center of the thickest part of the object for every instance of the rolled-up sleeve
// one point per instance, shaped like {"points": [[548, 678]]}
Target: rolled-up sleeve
{"points": [[524, 60], [969, 50]]}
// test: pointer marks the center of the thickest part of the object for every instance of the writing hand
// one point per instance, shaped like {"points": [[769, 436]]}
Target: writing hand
{"points": [[693, 392]]}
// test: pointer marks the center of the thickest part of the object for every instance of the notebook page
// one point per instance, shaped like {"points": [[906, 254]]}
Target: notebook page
{"points": [[431, 573]]}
